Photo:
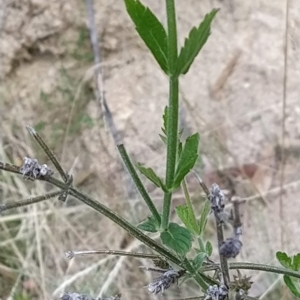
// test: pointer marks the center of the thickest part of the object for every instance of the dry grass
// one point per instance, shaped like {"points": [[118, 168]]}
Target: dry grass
{"points": [[55, 93]]}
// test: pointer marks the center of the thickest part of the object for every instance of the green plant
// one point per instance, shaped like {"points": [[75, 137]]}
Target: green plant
{"points": [[176, 251]]}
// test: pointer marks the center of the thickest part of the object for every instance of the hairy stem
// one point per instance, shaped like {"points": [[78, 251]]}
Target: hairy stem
{"points": [[172, 130], [172, 36], [172, 142], [139, 185], [71, 254], [256, 267], [31, 200]]}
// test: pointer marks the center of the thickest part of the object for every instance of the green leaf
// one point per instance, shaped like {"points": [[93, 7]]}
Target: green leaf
{"points": [[296, 262], [165, 120], [187, 159], [150, 174], [198, 260], [208, 248], [203, 218], [293, 284], [149, 225], [150, 30], [163, 138], [186, 216], [194, 43], [177, 238], [284, 259]]}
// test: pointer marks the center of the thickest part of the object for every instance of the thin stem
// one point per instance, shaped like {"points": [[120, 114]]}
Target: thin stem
{"points": [[139, 185], [220, 235], [11, 168], [15, 204], [71, 254], [201, 279], [202, 184], [256, 267], [49, 153], [223, 259]]}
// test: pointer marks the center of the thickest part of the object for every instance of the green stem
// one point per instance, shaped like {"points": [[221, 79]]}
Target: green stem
{"points": [[256, 267], [172, 143], [172, 35], [172, 130], [31, 200], [139, 185], [198, 277]]}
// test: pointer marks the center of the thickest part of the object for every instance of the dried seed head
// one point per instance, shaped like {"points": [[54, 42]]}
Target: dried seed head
{"points": [[231, 247], [33, 169], [241, 284], [69, 254], [217, 199], [44, 170], [163, 282], [215, 292]]}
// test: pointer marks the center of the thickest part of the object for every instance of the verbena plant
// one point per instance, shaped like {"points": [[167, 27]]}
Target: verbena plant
{"points": [[176, 254]]}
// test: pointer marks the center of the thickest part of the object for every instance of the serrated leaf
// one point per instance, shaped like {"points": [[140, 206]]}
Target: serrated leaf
{"points": [[187, 159], [203, 218], [149, 225], [150, 30], [177, 238], [194, 43], [293, 284], [208, 248], [150, 174], [296, 262], [284, 259], [186, 216]]}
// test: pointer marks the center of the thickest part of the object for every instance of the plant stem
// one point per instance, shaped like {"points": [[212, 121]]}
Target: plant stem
{"points": [[172, 35], [49, 153], [31, 200], [71, 254], [139, 185], [256, 267], [199, 278], [172, 130], [223, 259]]}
